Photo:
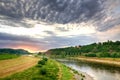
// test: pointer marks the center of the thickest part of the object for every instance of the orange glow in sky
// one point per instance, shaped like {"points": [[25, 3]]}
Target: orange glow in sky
{"points": [[27, 47]]}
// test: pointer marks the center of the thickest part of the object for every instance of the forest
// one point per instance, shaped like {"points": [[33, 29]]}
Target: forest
{"points": [[101, 49]]}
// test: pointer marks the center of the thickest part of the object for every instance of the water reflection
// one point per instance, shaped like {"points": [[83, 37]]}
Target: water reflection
{"points": [[97, 71]]}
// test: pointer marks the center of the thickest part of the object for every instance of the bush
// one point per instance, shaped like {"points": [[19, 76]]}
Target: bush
{"points": [[90, 55], [115, 55], [45, 59], [42, 62], [104, 54], [43, 71], [38, 65]]}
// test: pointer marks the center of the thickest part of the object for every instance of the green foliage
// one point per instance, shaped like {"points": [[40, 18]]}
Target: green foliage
{"points": [[8, 56], [49, 71], [13, 51], [105, 49], [66, 73], [90, 55], [42, 62], [45, 59], [43, 71], [39, 65]]}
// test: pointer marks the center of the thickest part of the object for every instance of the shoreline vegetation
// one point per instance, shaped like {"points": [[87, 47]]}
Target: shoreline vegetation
{"points": [[101, 50], [61, 72], [115, 62], [45, 69]]}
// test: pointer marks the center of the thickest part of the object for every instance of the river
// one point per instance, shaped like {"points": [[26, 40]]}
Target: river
{"points": [[95, 70]]}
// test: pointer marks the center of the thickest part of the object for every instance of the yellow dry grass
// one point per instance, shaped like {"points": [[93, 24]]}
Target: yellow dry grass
{"points": [[11, 66], [111, 61]]}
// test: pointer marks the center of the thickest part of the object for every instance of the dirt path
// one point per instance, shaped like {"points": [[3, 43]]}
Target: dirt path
{"points": [[8, 67]]}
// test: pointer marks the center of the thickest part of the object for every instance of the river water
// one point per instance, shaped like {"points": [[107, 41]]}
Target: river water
{"points": [[95, 70]]}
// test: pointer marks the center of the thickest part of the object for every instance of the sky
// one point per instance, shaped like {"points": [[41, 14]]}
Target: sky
{"points": [[39, 25]]}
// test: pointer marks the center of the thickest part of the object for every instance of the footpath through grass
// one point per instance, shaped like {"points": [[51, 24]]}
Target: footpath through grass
{"points": [[44, 70]]}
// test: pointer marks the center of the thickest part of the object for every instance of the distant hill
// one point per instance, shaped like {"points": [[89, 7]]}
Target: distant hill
{"points": [[13, 51], [101, 49]]}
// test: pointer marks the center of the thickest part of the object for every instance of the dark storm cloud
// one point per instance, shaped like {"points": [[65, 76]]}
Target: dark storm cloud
{"points": [[60, 11]]}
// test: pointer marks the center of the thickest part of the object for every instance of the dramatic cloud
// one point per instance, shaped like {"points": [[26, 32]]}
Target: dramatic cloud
{"points": [[59, 11], [44, 24]]}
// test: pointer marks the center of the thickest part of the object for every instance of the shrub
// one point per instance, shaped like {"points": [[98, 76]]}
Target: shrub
{"points": [[38, 65], [90, 55], [42, 62], [45, 59], [43, 71]]}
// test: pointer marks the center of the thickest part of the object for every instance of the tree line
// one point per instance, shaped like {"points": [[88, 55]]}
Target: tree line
{"points": [[101, 49], [13, 51]]}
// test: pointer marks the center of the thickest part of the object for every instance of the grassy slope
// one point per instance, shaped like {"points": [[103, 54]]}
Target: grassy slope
{"points": [[66, 73], [8, 67], [8, 56], [54, 71]]}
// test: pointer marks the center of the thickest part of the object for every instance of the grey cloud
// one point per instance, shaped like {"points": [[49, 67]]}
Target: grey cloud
{"points": [[55, 11], [116, 37], [9, 40], [9, 21], [112, 11], [62, 29], [15, 39], [10, 37], [57, 41], [109, 24], [50, 33]]}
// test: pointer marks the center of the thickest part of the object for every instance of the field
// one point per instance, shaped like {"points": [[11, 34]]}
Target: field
{"points": [[48, 70], [8, 56], [11, 66]]}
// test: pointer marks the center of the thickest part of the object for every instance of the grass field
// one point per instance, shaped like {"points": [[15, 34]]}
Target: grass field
{"points": [[8, 56], [51, 70], [11, 66]]}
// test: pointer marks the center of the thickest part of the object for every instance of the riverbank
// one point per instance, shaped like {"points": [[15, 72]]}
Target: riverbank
{"points": [[115, 62], [46, 69], [77, 75], [83, 75]]}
